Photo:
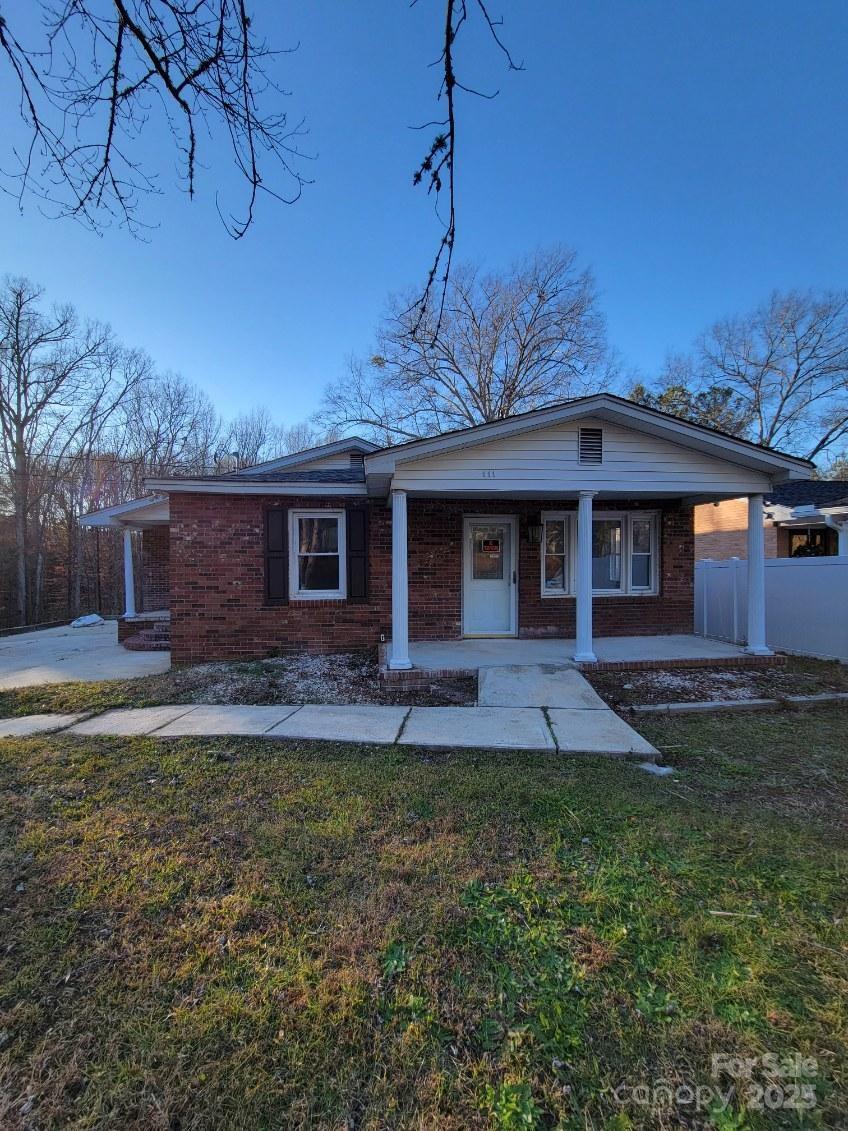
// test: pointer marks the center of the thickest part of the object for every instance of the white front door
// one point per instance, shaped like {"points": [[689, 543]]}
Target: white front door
{"points": [[489, 586]]}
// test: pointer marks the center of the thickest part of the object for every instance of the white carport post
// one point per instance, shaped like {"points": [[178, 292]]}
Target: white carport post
{"points": [[129, 579], [399, 659], [584, 653], [756, 579]]}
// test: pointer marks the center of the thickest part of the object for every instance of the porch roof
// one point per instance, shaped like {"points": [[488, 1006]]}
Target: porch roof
{"points": [[152, 511]]}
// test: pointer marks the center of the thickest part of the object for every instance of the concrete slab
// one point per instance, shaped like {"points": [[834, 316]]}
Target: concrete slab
{"points": [[215, 720], [132, 720], [597, 732], [356, 723], [498, 728], [453, 655], [35, 724], [64, 655], [537, 685]]}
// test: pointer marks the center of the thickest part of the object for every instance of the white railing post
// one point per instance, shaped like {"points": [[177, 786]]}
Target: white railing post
{"points": [[584, 653], [756, 579], [129, 578], [399, 659]]}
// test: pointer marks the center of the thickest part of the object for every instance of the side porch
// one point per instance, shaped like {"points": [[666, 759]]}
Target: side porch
{"points": [[144, 625]]}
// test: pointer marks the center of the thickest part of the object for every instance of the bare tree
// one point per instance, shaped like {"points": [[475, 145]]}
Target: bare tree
{"points": [[165, 426], [502, 343], [106, 69], [787, 363], [61, 382], [681, 392]]}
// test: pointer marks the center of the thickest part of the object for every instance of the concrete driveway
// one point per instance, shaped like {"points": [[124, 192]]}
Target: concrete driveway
{"points": [[63, 655]]}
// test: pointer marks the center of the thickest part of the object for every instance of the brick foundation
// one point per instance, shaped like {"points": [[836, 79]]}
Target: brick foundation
{"points": [[217, 583]]}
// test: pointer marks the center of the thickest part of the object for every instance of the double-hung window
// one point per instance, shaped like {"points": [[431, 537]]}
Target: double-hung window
{"points": [[317, 555], [555, 557], [643, 568], [625, 551]]}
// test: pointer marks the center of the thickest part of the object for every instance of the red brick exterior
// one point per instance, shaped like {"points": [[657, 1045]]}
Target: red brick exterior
{"points": [[155, 568], [721, 532], [218, 607]]}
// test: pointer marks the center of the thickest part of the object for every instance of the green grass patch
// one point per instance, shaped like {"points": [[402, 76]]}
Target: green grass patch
{"points": [[322, 936]]}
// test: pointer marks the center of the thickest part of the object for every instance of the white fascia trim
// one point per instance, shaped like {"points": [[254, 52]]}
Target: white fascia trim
{"points": [[207, 487], [110, 516], [604, 408], [349, 444]]}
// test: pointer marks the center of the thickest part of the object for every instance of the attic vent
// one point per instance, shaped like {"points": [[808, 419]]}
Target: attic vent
{"points": [[591, 445], [357, 459]]}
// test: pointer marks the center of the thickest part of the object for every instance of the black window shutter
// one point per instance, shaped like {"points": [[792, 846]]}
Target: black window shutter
{"points": [[357, 554], [276, 557]]}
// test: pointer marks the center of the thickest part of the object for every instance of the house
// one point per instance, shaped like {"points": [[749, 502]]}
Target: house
{"points": [[572, 521], [802, 518]]}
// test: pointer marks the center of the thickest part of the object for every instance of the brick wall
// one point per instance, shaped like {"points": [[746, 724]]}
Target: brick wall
{"points": [[435, 574], [218, 608], [155, 568], [722, 532]]}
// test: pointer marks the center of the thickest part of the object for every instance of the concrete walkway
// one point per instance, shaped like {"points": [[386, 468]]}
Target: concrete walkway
{"points": [[64, 655], [521, 707]]}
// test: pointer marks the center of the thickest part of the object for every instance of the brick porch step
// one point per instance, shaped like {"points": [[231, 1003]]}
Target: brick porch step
{"points": [[154, 638]]}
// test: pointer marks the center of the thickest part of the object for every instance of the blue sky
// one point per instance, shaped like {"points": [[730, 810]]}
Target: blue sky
{"points": [[694, 153]]}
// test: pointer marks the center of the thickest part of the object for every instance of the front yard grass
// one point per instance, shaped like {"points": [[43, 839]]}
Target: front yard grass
{"points": [[249, 934]]}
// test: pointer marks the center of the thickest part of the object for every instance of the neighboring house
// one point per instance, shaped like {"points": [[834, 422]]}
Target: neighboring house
{"points": [[803, 518], [567, 521]]}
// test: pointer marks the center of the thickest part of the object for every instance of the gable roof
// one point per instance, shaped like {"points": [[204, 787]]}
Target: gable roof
{"points": [[283, 473], [603, 406], [308, 455]]}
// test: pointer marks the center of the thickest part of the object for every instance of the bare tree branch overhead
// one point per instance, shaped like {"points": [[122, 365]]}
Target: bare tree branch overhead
{"points": [[102, 71], [438, 168]]}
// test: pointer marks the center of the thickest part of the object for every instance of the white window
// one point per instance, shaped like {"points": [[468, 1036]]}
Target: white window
{"points": [[555, 557], [625, 553], [607, 552], [642, 553], [317, 555]]}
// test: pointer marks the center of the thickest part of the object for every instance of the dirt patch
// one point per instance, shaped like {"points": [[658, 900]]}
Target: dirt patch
{"points": [[345, 678], [689, 685]]}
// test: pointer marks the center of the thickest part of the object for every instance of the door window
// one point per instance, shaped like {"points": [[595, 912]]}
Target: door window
{"points": [[487, 562]]}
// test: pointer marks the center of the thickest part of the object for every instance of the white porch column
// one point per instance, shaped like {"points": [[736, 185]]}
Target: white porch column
{"points": [[756, 579], [129, 580], [399, 659], [584, 652]]}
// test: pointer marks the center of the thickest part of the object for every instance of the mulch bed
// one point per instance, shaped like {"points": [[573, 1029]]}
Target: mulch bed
{"points": [[690, 685], [344, 678]]}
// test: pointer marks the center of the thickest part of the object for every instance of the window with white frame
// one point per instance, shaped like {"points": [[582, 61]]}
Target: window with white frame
{"points": [[625, 551], [317, 555], [555, 556]]}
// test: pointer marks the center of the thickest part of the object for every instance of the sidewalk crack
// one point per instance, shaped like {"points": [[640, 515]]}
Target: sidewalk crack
{"points": [[403, 723], [547, 717]]}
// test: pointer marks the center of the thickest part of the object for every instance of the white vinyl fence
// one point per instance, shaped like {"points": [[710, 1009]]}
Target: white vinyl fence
{"points": [[806, 604]]}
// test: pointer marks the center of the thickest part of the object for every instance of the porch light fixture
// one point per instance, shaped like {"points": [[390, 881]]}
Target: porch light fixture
{"points": [[534, 530]]}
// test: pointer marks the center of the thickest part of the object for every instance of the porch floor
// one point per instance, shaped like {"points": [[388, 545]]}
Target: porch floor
{"points": [[464, 655]]}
